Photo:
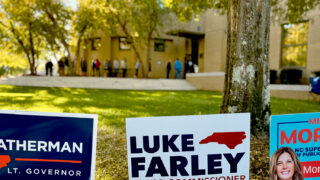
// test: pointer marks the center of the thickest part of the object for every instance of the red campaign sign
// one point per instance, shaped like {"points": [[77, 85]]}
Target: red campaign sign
{"points": [[310, 169]]}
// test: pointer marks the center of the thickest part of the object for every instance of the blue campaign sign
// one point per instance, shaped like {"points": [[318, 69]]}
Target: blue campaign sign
{"points": [[300, 132], [49, 146]]}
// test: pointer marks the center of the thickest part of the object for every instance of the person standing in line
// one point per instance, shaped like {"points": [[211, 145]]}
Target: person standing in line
{"points": [[110, 68], [149, 68], [84, 67], [168, 69], [49, 66], [190, 67], [61, 67], [137, 67], [98, 67], [105, 68], [186, 67], [123, 65], [178, 67], [66, 67], [93, 64], [115, 67]]}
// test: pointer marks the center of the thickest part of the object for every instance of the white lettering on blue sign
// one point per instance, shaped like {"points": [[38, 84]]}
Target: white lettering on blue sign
{"points": [[40, 146]]}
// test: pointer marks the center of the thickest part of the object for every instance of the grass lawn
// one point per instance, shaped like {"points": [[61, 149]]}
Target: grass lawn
{"points": [[113, 106]]}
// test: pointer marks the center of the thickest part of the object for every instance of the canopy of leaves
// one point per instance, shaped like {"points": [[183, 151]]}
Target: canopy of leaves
{"points": [[12, 59], [55, 20], [292, 10], [282, 10], [185, 10], [12, 62], [89, 17], [18, 19], [138, 19]]}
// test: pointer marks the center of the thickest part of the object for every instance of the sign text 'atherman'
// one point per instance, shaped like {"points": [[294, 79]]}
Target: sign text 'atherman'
{"points": [[41, 146]]}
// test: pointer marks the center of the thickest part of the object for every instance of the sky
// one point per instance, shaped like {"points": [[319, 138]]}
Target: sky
{"points": [[71, 3]]}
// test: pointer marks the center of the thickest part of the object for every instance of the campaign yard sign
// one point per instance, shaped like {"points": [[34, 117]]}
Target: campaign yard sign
{"points": [[300, 132], [48, 146], [205, 147]]}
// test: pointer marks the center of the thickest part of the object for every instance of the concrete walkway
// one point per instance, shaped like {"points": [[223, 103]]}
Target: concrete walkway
{"points": [[99, 83]]}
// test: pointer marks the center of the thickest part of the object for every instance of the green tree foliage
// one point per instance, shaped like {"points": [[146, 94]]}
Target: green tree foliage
{"points": [[35, 27], [292, 10], [90, 17], [151, 15], [20, 29], [55, 19], [185, 10], [14, 63]]}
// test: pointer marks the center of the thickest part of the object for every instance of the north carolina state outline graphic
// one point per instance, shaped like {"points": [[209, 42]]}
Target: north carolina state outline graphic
{"points": [[230, 139], [4, 160]]}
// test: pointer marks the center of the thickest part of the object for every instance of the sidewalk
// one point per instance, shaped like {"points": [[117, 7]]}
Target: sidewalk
{"points": [[99, 83]]}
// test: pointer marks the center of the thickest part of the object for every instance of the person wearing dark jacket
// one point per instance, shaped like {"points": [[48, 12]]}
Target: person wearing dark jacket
{"points": [[49, 66], [168, 69]]}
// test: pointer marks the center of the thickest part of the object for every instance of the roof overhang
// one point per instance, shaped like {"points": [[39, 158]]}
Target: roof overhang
{"points": [[185, 33]]}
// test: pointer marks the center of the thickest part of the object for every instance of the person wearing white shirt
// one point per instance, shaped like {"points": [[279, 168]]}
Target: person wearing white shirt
{"points": [[136, 67], [115, 67], [123, 66]]}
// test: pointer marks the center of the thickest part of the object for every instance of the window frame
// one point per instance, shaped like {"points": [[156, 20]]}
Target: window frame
{"points": [[283, 45], [163, 41], [94, 46], [124, 44]]}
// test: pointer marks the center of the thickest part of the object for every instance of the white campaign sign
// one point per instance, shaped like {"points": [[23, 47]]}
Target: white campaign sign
{"points": [[204, 147]]}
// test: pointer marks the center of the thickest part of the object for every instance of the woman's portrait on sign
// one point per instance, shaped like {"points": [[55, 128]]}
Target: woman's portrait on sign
{"points": [[285, 165]]}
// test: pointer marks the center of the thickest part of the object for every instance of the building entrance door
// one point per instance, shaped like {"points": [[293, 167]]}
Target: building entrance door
{"points": [[195, 50]]}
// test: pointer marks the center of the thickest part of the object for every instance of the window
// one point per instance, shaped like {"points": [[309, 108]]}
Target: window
{"points": [[96, 43], [159, 45], [124, 44], [294, 44]]}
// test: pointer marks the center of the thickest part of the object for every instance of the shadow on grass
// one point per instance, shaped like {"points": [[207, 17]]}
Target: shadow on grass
{"points": [[112, 106]]}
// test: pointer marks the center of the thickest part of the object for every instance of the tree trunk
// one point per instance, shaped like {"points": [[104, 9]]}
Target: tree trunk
{"points": [[149, 54], [123, 26], [138, 56], [247, 69], [25, 50], [63, 40], [78, 60], [33, 69], [152, 25]]}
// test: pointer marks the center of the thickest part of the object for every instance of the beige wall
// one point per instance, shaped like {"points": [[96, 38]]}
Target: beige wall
{"points": [[159, 60], [215, 42], [212, 81], [313, 57], [313, 51], [201, 54], [212, 47], [216, 39], [110, 50], [275, 47]]}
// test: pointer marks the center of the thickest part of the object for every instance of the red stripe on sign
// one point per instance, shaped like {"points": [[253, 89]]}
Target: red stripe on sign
{"points": [[310, 169], [48, 160]]}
